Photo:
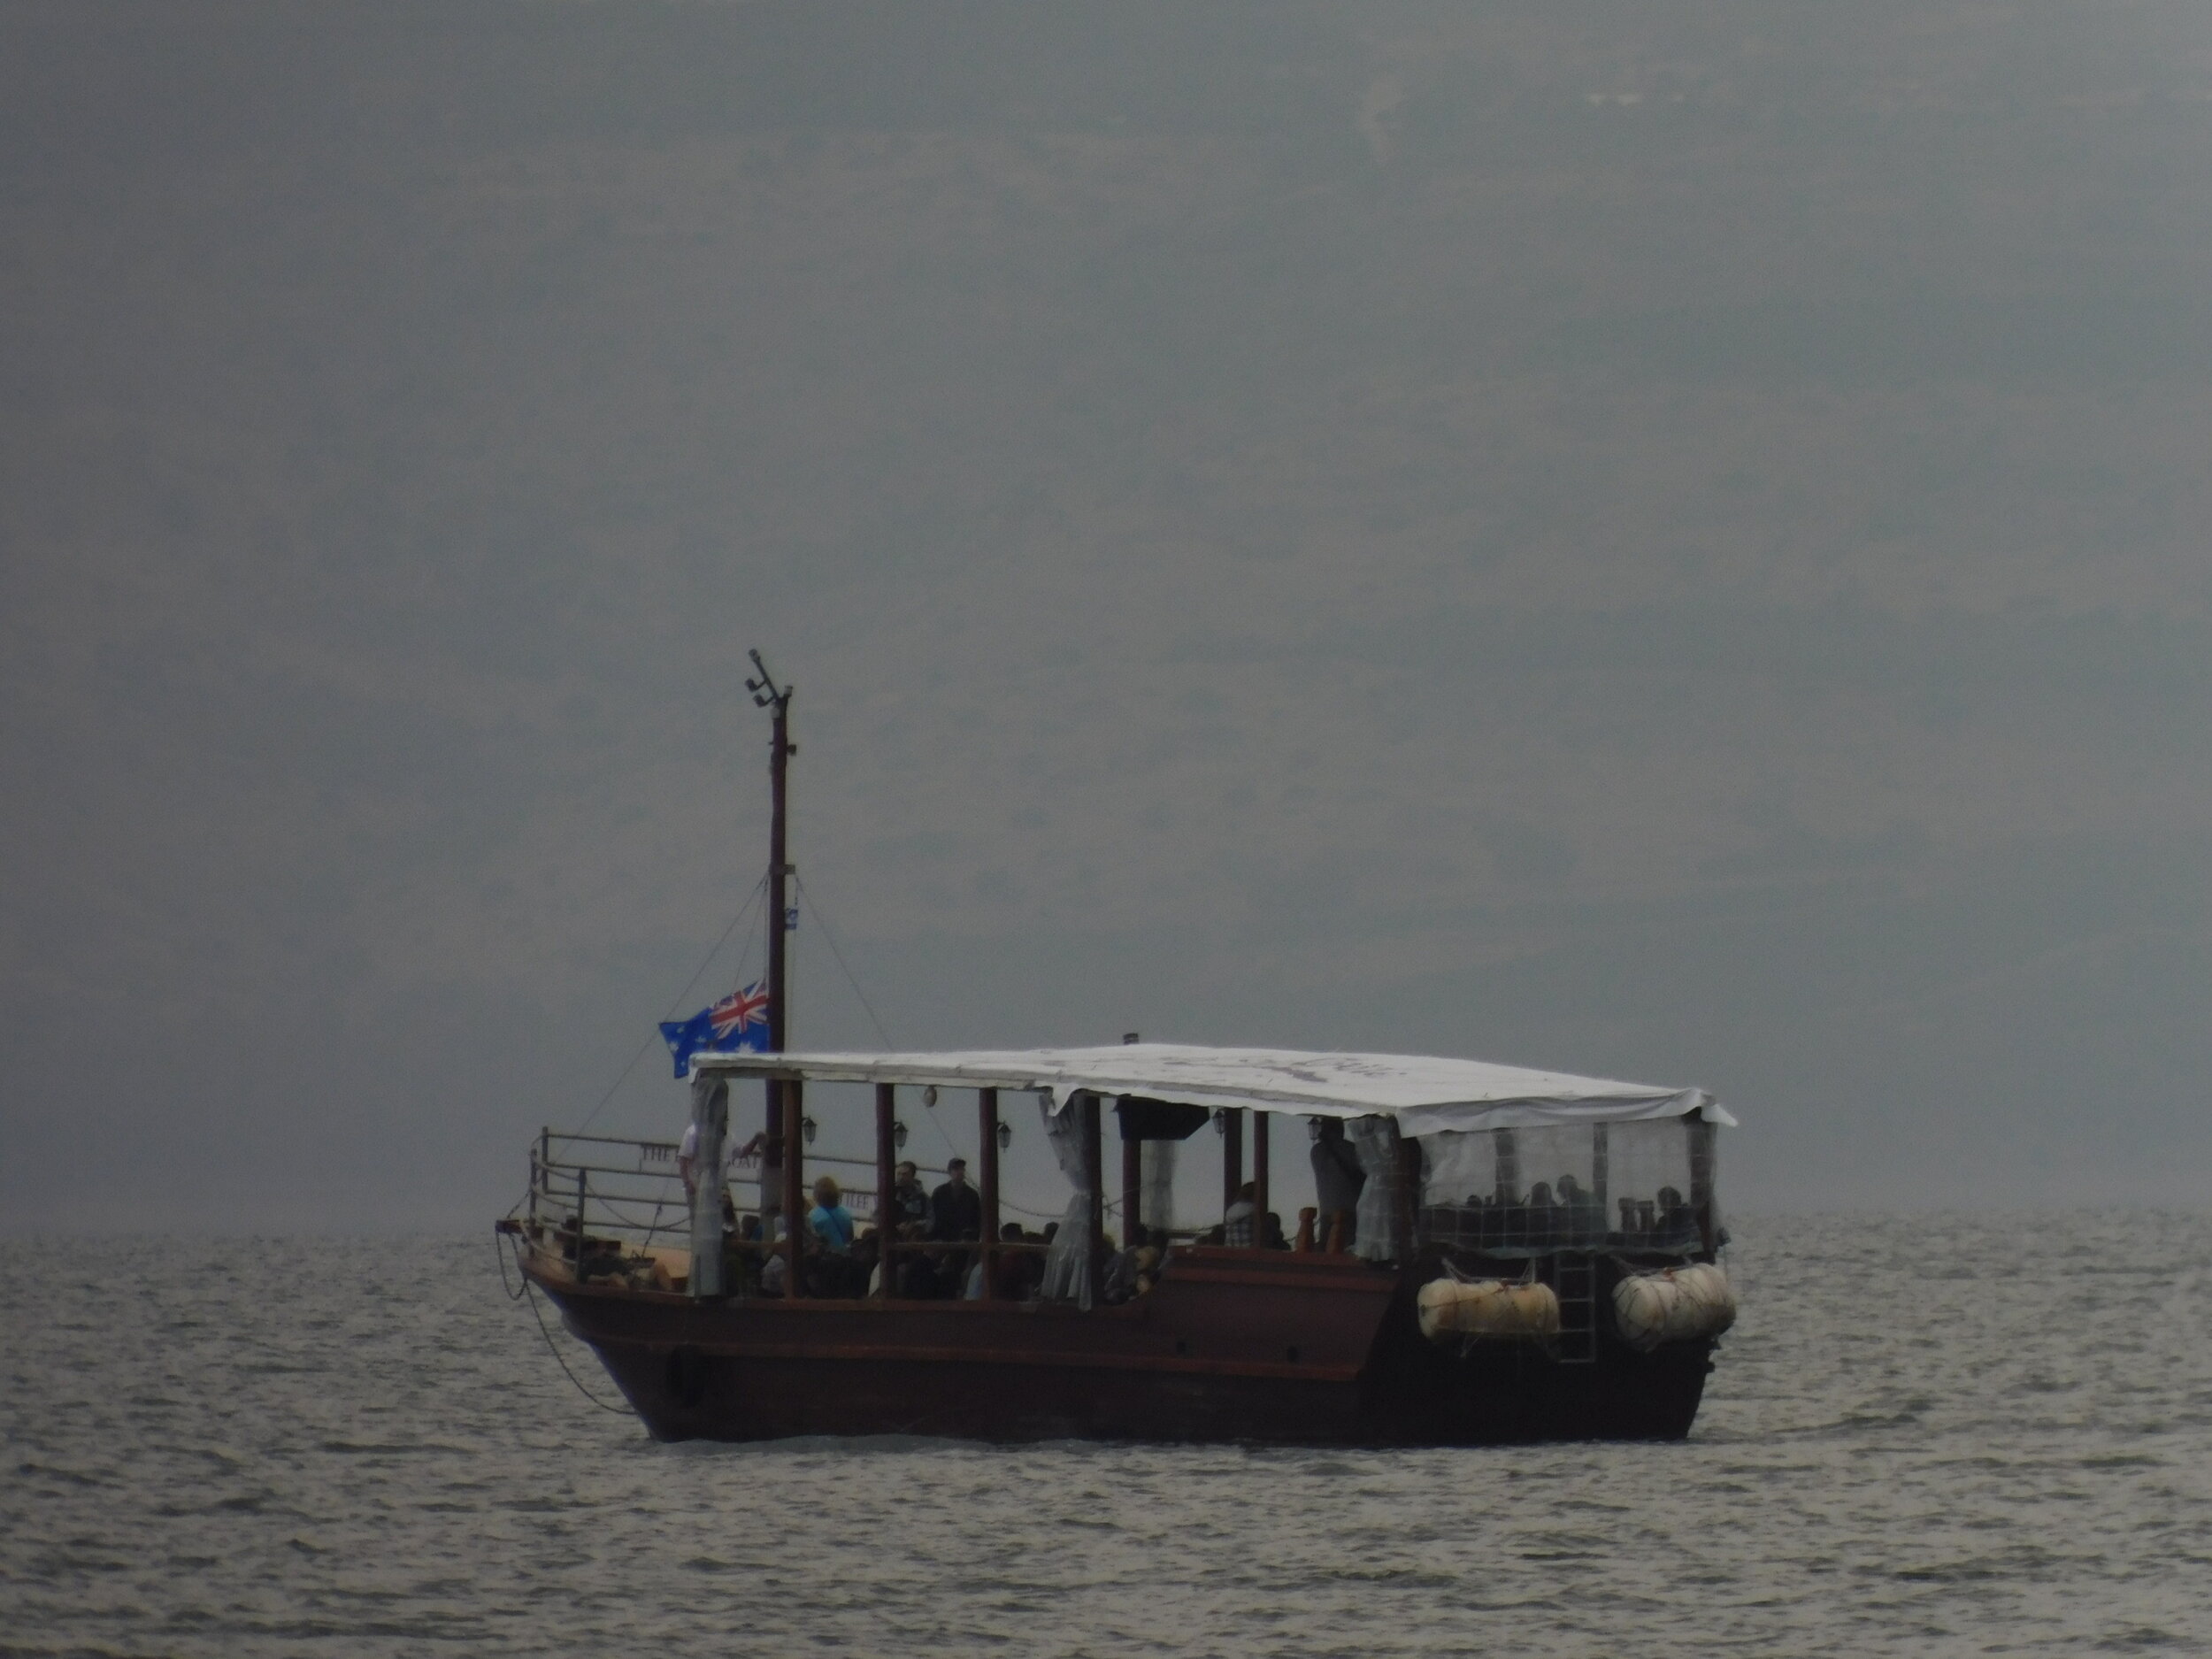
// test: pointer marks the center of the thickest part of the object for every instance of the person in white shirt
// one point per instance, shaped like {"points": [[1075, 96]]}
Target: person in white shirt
{"points": [[1236, 1221], [733, 1156]]}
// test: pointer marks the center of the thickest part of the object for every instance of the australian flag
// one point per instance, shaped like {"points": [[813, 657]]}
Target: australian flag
{"points": [[736, 1024]]}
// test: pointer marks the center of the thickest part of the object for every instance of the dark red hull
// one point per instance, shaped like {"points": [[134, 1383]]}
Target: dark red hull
{"points": [[1230, 1345]]}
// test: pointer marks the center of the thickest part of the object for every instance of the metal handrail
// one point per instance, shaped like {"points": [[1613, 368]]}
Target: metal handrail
{"points": [[581, 1203], [633, 1204]]}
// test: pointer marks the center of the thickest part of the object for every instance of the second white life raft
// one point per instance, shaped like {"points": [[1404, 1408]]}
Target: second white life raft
{"points": [[1677, 1305], [1488, 1307]]}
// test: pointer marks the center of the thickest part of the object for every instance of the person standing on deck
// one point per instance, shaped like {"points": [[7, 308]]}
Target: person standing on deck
{"points": [[908, 1210], [687, 1158], [1337, 1181], [955, 1214]]}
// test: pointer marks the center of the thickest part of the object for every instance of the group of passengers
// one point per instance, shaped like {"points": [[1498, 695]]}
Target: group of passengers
{"points": [[1242, 1227], [952, 1214], [1566, 1211], [1133, 1272], [840, 1260]]}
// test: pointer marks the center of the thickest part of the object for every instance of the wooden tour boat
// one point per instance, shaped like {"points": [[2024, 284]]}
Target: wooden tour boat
{"points": [[1498, 1254]]}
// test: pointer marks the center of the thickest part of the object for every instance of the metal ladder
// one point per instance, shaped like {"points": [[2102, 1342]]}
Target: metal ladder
{"points": [[1574, 1281]]}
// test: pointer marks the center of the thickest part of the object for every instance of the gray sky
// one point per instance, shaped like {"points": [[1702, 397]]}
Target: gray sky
{"points": [[1666, 541]]}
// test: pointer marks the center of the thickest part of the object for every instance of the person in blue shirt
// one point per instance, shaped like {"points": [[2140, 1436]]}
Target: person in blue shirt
{"points": [[831, 1222], [837, 1270]]}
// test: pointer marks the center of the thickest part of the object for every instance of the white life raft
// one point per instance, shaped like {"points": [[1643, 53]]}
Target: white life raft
{"points": [[1677, 1305], [1451, 1309]]}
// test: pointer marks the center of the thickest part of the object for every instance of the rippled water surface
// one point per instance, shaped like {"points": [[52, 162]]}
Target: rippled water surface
{"points": [[1942, 1435]]}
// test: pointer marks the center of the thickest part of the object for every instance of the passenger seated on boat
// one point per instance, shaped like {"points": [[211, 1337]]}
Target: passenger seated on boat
{"points": [[1271, 1237], [1148, 1265], [775, 1271], [1582, 1220], [913, 1275], [1676, 1221], [831, 1222], [1131, 1272], [833, 1268], [1542, 1223], [602, 1258], [1236, 1221], [1017, 1275]]}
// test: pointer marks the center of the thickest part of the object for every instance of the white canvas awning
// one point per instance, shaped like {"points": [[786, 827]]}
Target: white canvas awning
{"points": [[1424, 1092]]}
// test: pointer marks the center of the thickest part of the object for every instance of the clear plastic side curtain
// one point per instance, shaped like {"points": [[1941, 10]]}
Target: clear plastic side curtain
{"points": [[1068, 1263], [1375, 1141]]}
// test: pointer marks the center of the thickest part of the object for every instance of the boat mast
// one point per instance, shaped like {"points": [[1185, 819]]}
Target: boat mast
{"points": [[768, 695], [780, 1171]]}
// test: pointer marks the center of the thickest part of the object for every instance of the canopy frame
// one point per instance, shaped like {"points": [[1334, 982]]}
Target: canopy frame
{"points": [[1427, 1094]]}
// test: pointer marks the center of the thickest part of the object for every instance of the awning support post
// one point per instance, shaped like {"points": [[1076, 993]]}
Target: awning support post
{"points": [[887, 1154], [986, 1125], [770, 1161], [794, 1187], [1259, 1180], [1094, 1178], [1131, 1179]]}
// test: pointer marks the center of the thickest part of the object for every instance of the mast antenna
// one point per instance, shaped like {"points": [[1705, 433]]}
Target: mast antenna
{"points": [[766, 690]]}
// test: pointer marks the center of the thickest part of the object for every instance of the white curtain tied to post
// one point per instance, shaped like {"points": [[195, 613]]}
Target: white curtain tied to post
{"points": [[711, 1117], [1068, 1261], [1375, 1141], [1156, 1168]]}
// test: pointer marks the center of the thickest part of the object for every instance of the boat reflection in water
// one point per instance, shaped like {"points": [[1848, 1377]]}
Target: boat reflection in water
{"points": [[1512, 1255]]}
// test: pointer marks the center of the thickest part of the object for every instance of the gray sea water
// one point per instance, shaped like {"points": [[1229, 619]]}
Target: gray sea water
{"points": [[1936, 1435]]}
